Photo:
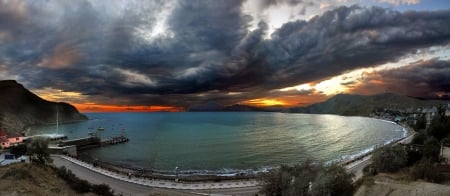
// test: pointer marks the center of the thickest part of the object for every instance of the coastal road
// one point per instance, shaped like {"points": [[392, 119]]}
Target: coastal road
{"points": [[357, 167], [127, 188]]}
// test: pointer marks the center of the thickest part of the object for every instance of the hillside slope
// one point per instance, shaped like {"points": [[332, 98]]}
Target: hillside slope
{"points": [[20, 108], [34, 180], [363, 105]]}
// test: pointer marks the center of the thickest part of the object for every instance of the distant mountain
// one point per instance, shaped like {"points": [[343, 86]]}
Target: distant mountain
{"points": [[20, 108], [243, 108], [207, 107], [216, 107], [363, 105]]}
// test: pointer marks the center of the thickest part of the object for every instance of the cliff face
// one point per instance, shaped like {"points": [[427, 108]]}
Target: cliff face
{"points": [[20, 108]]}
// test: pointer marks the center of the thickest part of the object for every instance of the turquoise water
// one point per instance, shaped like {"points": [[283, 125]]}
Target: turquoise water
{"points": [[229, 141]]}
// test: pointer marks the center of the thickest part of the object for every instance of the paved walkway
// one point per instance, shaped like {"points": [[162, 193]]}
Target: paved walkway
{"points": [[358, 165], [165, 183]]}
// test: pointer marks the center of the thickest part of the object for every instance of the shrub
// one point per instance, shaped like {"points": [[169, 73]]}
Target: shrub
{"points": [[102, 189], [276, 181], [439, 127], [80, 186], [75, 183], [18, 150], [39, 151], [334, 180], [413, 156], [426, 170], [419, 138], [307, 178], [431, 149], [389, 158]]}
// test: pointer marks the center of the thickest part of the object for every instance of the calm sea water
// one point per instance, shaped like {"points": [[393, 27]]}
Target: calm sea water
{"points": [[228, 141]]}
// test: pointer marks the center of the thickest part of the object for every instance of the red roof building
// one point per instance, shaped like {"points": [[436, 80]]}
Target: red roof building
{"points": [[8, 141], [2, 134]]}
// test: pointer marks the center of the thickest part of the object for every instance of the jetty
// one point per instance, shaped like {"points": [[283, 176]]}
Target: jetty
{"points": [[115, 140], [93, 141]]}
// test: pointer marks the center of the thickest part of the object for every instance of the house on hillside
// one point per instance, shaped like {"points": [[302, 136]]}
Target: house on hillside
{"points": [[8, 141]]}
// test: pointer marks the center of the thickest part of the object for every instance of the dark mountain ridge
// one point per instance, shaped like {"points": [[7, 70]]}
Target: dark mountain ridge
{"points": [[20, 108], [217, 107], [363, 105]]}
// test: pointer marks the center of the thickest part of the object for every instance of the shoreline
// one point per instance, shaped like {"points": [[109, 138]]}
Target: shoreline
{"points": [[155, 174], [194, 176], [251, 185]]}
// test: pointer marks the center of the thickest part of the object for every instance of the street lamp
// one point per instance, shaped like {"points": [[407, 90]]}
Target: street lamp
{"points": [[442, 147], [176, 174]]}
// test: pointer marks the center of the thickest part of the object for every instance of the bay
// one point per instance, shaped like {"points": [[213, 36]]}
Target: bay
{"points": [[229, 141]]}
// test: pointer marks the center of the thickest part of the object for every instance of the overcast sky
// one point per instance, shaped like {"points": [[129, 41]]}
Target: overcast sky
{"points": [[168, 55]]}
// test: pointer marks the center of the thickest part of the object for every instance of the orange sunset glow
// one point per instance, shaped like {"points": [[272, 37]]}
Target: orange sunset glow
{"points": [[117, 108]]}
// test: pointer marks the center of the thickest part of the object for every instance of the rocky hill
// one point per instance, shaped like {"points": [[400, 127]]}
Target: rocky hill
{"points": [[363, 105], [20, 108]]}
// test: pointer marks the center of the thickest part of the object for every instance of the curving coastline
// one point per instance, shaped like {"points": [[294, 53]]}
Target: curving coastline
{"points": [[160, 183], [205, 175]]}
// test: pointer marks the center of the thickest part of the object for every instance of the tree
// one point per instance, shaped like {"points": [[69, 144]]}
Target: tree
{"points": [[419, 138], [308, 178], [276, 181], [431, 149], [334, 180], [389, 158], [289, 180], [421, 123], [39, 151], [304, 174], [425, 169], [18, 150], [439, 127]]}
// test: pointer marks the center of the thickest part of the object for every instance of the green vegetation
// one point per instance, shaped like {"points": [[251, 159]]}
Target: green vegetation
{"points": [[389, 158], [425, 169], [80, 185], [102, 189], [39, 151], [334, 180], [421, 123], [18, 150], [423, 153], [308, 179]]}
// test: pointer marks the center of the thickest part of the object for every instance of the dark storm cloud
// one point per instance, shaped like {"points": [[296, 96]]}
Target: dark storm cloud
{"points": [[207, 49], [351, 37], [422, 79]]}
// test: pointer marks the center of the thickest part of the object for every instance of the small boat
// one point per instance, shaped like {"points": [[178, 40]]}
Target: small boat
{"points": [[100, 129]]}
